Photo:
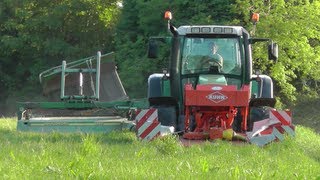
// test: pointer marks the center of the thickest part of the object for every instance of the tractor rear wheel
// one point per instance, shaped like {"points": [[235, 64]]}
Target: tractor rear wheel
{"points": [[257, 114], [167, 115]]}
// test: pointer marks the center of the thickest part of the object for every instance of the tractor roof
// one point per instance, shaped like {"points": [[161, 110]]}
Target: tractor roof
{"points": [[210, 29]]}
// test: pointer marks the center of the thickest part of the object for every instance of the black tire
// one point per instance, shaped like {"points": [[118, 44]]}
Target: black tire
{"points": [[167, 115], [258, 114], [181, 124], [236, 125], [192, 124]]}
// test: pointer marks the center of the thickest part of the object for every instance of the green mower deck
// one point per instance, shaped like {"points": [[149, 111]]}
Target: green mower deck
{"points": [[76, 124], [92, 99], [75, 116]]}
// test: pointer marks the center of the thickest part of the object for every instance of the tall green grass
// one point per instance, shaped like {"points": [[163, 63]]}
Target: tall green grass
{"points": [[119, 155], [306, 113]]}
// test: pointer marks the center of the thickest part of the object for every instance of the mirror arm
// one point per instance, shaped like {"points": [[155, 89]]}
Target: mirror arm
{"points": [[173, 29]]}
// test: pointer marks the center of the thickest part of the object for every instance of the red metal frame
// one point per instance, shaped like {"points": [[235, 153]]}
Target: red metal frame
{"points": [[214, 108]]}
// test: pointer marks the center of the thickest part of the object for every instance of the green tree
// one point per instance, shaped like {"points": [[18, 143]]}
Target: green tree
{"points": [[139, 20], [36, 35], [294, 25]]}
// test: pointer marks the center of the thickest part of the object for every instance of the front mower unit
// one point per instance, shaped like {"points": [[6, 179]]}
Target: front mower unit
{"points": [[79, 108], [211, 109]]}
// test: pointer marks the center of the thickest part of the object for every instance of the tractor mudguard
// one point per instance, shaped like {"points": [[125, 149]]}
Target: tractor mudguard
{"points": [[257, 102], [262, 86], [158, 85], [154, 85]]}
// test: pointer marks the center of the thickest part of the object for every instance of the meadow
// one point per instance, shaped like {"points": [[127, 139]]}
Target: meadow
{"points": [[119, 155]]}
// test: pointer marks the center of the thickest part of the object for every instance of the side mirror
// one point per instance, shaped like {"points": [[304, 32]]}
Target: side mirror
{"points": [[152, 49], [273, 51]]}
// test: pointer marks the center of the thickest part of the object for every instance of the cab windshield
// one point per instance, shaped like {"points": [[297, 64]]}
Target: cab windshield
{"points": [[211, 56]]}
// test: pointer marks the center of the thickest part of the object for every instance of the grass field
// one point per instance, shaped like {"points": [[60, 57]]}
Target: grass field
{"points": [[119, 155], [307, 113]]}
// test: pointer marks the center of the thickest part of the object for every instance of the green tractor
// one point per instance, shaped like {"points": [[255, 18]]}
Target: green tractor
{"points": [[210, 82]]}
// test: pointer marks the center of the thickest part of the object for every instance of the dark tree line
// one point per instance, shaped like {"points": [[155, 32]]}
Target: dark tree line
{"points": [[36, 35]]}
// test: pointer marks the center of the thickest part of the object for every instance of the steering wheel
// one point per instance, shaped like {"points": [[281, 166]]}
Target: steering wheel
{"points": [[190, 62], [208, 61]]}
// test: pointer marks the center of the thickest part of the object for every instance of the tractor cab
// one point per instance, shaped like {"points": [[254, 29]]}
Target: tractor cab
{"points": [[212, 60], [219, 55]]}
